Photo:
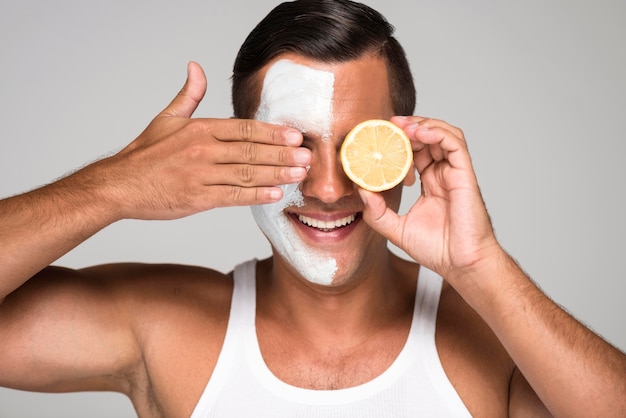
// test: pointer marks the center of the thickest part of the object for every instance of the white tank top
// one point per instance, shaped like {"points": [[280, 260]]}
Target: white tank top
{"points": [[415, 385]]}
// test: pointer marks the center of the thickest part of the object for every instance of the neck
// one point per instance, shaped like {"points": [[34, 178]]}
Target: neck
{"points": [[373, 299]]}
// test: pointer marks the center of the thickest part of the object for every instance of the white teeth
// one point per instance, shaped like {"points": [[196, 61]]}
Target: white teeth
{"points": [[327, 225]]}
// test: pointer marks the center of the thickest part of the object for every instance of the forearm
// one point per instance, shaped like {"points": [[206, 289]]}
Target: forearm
{"points": [[572, 370], [40, 226]]}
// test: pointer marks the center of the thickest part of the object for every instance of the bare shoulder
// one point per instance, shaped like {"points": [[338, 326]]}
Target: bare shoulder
{"points": [[153, 332], [473, 358], [157, 283], [164, 300], [179, 315]]}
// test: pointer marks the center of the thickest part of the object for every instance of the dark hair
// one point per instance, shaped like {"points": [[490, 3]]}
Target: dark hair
{"points": [[324, 30]]}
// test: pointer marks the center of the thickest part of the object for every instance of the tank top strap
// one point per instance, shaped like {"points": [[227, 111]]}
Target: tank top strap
{"points": [[415, 384], [427, 296], [242, 309]]}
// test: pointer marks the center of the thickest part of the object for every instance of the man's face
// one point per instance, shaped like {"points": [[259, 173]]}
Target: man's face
{"points": [[317, 227]]}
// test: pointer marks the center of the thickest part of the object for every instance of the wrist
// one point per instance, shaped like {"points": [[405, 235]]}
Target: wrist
{"points": [[488, 281], [89, 194]]}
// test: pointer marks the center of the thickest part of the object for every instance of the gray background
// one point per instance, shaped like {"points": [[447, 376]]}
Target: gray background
{"points": [[537, 86]]}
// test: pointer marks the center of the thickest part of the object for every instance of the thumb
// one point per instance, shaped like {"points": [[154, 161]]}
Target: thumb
{"points": [[379, 217], [187, 100]]}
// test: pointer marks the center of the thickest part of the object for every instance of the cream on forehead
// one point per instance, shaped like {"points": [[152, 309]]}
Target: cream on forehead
{"points": [[301, 97], [298, 96]]}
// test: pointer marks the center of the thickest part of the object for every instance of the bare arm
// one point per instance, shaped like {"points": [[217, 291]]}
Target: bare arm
{"points": [[40, 226], [64, 331], [573, 371], [108, 327], [177, 167]]}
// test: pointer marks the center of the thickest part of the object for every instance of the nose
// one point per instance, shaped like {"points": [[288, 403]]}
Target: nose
{"points": [[326, 180]]}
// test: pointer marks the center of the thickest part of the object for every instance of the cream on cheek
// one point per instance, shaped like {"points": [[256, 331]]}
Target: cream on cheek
{"points": [[301, 97]]}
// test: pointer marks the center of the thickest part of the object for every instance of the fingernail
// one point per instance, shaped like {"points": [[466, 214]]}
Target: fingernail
{"points": [[276, 194], [302, 156], [411, 127], [297, 172], [293, 137]]}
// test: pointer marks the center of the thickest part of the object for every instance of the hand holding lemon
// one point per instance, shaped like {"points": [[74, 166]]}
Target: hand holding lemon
{"points": [[447, 228]]}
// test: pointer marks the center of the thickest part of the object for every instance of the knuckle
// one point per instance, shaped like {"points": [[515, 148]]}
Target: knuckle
{"points": [[276, 136], [246, 174], [195, 150], [279, 174], [282, 155], [235, 194], [196, 127], [245, 129], [249, 152]]}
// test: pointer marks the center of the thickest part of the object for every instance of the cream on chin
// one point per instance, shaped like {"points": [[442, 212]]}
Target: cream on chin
{"points": [[312, 263]]}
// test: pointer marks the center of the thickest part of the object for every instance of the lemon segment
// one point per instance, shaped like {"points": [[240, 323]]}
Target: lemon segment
{"points": [[376, 155]]}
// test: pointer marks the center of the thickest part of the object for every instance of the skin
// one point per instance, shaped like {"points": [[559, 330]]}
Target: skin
{"points": [[335, 196], [154, 332]]}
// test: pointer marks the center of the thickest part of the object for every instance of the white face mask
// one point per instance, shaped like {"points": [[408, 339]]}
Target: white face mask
{"points": [[300, 97]]}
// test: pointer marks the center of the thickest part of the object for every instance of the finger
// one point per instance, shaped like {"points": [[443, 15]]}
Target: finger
{"points": [[442, 143], [187, 100], [228, 195], [405, 121], [261, 154], [247, 175], [256, 131], [410, 178], [410, 124], [422, 158], [379, 217]]}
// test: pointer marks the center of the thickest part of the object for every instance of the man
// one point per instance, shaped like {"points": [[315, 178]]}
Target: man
{"points": [[342, 328]]}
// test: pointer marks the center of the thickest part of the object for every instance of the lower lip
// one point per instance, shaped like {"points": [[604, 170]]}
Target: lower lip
{"points": [[318, 235]]}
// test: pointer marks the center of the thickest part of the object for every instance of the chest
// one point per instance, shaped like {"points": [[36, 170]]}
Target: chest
{"points": [[460, 357], [180, 358], [330, 366]]}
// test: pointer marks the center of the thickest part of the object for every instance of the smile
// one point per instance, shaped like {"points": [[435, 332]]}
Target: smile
{"points": [[327, 226]]}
